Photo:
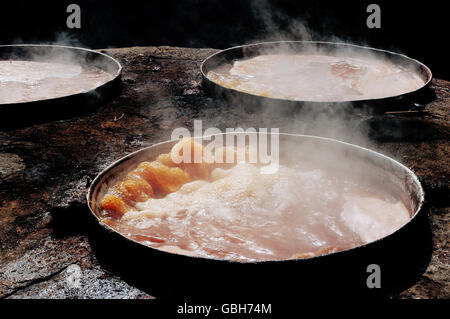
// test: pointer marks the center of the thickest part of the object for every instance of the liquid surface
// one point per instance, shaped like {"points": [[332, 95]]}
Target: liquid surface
{"points": [[25, 81], [317, 77], [241, 214]]}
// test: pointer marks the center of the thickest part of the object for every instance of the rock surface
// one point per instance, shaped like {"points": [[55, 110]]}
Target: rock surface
{"points": [[46, 169]]}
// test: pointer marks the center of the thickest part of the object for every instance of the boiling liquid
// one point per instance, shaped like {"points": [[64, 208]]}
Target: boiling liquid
{"points": [[317, 77], [25, 81], [241, 214]]}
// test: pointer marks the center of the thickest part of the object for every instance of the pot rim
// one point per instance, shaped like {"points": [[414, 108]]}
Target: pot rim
{"points": [[337, 44]]}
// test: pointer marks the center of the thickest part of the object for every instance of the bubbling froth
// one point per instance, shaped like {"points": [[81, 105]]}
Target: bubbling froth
{"points": [[25, 81], [318, 78], [241, 214]]}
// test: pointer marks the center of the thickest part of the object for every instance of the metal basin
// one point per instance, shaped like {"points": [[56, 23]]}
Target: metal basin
{"points": [[24, 113], [346, 271], [400, 101]]}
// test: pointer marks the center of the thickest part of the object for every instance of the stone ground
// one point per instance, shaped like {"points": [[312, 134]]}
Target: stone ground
{"points": [[46, 169]]}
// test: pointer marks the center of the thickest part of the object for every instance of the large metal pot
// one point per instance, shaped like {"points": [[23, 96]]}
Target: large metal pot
{"points": [[400, 101], [401, 255], [23, 113]]}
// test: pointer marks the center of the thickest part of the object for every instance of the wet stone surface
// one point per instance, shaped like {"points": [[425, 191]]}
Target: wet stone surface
{"points": [[45, 170]]}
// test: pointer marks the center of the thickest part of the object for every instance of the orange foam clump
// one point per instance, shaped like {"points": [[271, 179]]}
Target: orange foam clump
{"points": [[166, 160], [134, 189], [115, 206], [191, 157], [163, 179]]}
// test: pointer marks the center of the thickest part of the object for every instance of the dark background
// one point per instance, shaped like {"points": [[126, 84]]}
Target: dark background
{"points": [[418, 29]]}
